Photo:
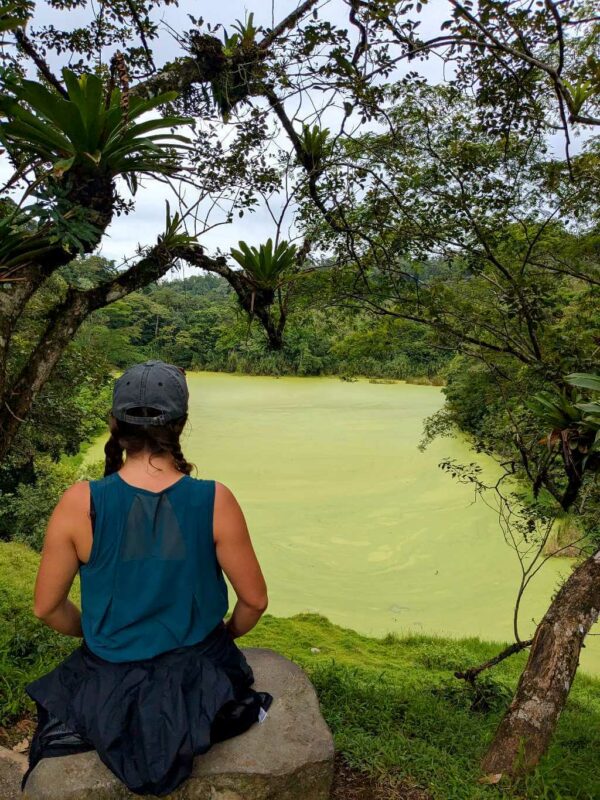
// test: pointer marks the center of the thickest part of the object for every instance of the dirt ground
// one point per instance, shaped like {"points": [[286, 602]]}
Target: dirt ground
{"points": [[351, 784]]}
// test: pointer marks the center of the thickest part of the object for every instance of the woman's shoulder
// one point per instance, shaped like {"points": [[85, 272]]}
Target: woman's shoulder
{"points": [[224, 496], [75, 498], [77, 490], [204, 481]]}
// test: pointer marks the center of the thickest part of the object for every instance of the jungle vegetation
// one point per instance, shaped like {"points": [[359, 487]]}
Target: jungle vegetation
{"points": [[432, 220]]}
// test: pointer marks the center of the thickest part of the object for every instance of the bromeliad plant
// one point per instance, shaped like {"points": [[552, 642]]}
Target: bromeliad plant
{"points": [[240, 66], [265, 268], [88, 129], [244, 36], [174, 235], [313, 143], [575, 424], [76, 145], [573, 427]]}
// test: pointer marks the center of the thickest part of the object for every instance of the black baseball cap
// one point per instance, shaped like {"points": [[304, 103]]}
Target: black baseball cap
{"points": [[153, 385]]}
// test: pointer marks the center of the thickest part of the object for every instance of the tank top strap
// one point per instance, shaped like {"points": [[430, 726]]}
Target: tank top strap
{"points": [[98, 511]]}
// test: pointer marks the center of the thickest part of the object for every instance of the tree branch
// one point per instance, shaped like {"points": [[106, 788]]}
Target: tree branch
{"points": [[27, 47], [471, 673], [62, 323]]}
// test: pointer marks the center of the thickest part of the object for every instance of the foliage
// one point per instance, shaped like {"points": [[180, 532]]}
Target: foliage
{"points": [[244, 36], [195, 323], [92, 128], [528, 66], [265, 266], [500, 416], [174, 235], [459, 230], [574, 424], [14, 15], [128, 27], [240, 66], [72, 407], [314, 143], [484, 694], [26, 512], [27, 646], [76, 145]]}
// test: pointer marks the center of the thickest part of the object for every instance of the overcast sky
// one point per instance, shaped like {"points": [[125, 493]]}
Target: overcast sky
{"points": [[142, 226]]}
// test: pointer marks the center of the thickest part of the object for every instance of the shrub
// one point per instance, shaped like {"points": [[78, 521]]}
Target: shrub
{"points": [[25, 512]]}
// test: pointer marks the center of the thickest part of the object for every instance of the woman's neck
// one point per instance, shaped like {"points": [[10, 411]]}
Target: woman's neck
{"points": [[154, 471]]}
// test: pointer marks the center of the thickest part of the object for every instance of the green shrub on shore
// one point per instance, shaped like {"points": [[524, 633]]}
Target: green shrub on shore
{"points": [[26, 511]]}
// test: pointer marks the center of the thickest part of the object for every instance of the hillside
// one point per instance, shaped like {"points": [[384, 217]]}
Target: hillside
{"points": [[396, 711]]}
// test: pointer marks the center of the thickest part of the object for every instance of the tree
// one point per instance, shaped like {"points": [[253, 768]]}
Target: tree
{"points": [[485, 239], [242, 77], [528, 64], [68, 142]]}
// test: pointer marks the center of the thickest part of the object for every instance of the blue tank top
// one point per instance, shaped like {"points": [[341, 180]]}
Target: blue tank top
{"points": [[152, 582]]}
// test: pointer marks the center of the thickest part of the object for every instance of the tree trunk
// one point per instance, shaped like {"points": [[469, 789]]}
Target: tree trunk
{"points": [[62, 324], [255, 302], [525, 732]]}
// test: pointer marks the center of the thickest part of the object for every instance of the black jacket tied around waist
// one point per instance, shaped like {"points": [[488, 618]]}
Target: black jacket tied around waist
{"points": [[146, 719]]}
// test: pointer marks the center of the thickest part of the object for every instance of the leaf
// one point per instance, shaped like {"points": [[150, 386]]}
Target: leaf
{"points": [[60, 167], [584, 380], [64, 114], [13, 16], [45, 127], [492, 779], [139, 105], [94, 157], [589, 408]]}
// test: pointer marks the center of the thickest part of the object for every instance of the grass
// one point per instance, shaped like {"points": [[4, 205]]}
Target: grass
{"points": [[393, 704]]}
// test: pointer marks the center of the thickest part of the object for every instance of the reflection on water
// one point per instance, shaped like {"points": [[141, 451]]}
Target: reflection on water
{"points": [[348, 518]]}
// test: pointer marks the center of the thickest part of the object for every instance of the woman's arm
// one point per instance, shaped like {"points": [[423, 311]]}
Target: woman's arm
{"points": [[238, 561], [60, 562]]}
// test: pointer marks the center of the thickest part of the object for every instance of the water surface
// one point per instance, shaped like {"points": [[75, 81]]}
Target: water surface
{"points": [[348, 518]]}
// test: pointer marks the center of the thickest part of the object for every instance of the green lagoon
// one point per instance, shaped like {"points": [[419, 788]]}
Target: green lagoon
{"points": [[349, 519]]}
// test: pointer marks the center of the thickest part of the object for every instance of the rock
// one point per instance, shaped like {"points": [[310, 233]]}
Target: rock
{"points": [[288, 756], [315, 649], [12, 767]]}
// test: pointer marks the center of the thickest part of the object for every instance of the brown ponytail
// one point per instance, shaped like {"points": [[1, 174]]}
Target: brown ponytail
{"points": [[158, 439], [113, 452]]}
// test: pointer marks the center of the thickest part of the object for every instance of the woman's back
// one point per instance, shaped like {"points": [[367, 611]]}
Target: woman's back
{"points": [[153, 581], [158, 677]]}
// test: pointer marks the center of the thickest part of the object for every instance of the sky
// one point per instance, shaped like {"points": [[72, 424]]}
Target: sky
{"points": [[141, 227]]}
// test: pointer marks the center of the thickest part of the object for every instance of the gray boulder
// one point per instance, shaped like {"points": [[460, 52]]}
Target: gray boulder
{"points": [[289, 756], [12, 768]]}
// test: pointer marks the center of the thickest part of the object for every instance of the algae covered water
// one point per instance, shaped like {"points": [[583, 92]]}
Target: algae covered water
{"points": [[349, 519]]}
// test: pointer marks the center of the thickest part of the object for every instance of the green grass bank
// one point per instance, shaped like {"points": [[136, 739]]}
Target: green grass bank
{"points": [[393, 704]]}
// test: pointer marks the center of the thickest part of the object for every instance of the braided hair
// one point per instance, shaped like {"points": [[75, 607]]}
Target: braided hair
{"points": [[133, 439]]}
